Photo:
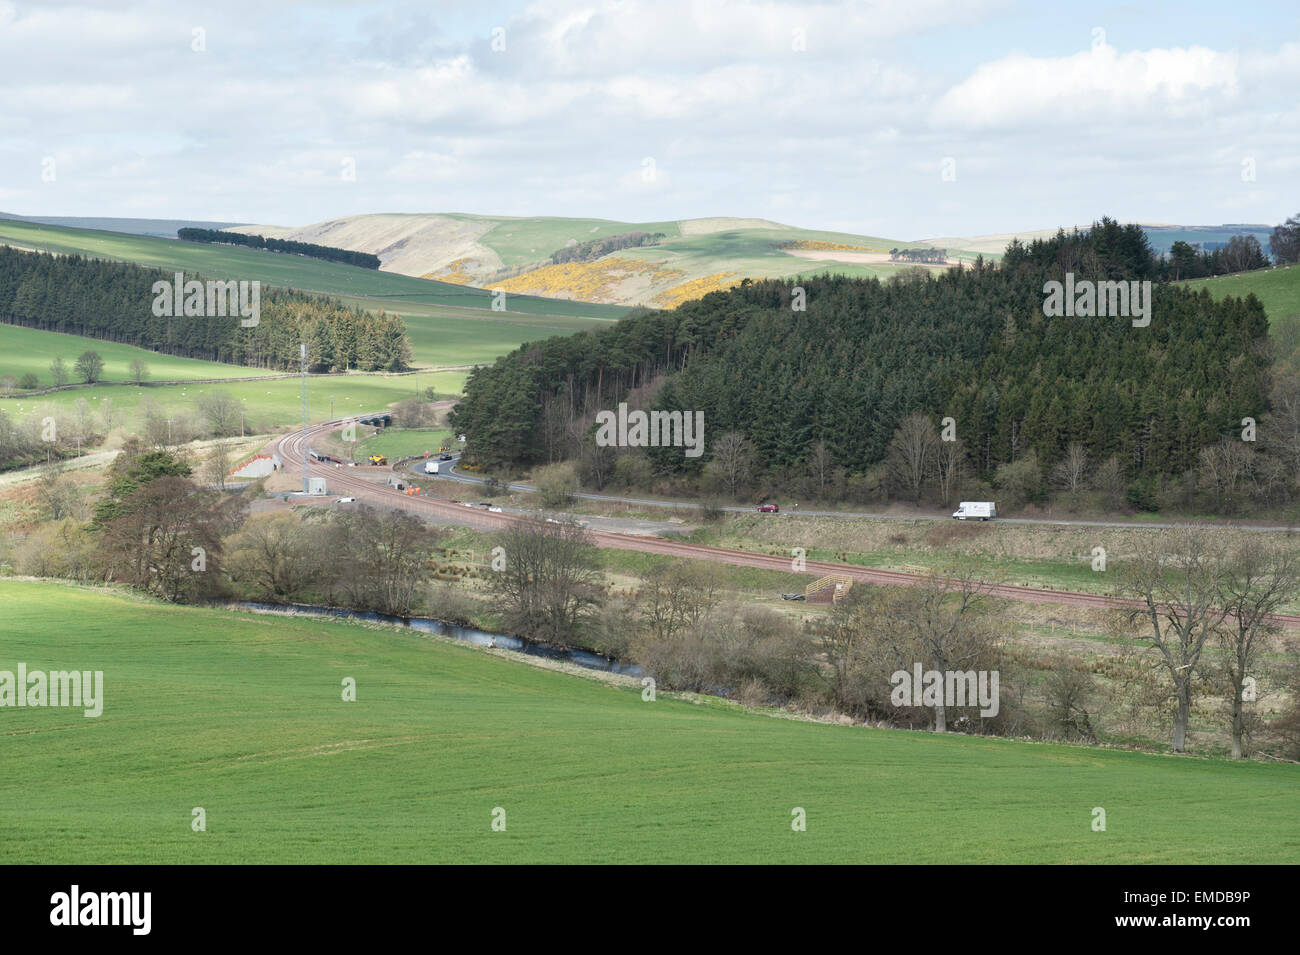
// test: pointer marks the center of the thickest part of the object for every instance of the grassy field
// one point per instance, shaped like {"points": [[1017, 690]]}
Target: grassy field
{"points": [[24, 350], [269, 403], [442, 336], [1278, 289], [241, 715], [403, 442]]}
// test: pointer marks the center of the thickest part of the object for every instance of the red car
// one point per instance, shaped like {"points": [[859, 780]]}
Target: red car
{"points": [[768, 509]]}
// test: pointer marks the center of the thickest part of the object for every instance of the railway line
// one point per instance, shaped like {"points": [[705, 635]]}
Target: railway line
{"points": [[347, 482]]}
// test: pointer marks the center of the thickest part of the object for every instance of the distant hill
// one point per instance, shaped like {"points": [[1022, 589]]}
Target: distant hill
{"points": [[163, 228], [1161, 236], [694, 256]]}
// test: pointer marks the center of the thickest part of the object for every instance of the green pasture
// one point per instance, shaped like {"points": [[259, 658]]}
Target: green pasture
{"points": [[242, 716]]}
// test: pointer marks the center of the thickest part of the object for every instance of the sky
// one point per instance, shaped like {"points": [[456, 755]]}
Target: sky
{"points": [[904, 120]]}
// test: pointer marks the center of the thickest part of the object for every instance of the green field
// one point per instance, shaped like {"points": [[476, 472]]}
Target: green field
{"points": [[442, 336], [24, 350], [241, 715], [397, 443], [1278, 289], [523, 241], [269, 403]]}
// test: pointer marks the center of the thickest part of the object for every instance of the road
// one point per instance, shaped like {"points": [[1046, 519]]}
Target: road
{"points": [[345, 481], [448, 472]]}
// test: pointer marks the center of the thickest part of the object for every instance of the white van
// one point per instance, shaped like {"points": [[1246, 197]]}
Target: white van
{"points": [[430, 467], [975, 511]]}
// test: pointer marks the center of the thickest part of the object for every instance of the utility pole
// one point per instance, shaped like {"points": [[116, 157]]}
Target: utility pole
{"points": [[303, 353], [169, 432], [331, 407]]}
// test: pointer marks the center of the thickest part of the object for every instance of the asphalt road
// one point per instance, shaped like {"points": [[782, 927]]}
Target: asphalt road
{"points": [[447, 471]]}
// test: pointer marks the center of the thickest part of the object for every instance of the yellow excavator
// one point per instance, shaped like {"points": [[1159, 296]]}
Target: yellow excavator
{"points": [[378, 460]]}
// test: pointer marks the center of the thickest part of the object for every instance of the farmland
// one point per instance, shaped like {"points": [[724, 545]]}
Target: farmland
{"points": [[268, 404], [30, 350], [241, 715]]}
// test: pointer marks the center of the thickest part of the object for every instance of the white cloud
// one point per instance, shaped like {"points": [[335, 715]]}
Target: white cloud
{"points": [[1097, 83]]}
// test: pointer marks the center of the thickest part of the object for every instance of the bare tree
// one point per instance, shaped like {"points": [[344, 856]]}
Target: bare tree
{"points": [[139, 371], [675, 596], [733, 461], [550, 581], [1258, 579], [1280, 431], [1069, 690], [1071, 471], [1109, 479], [937, 624], [168, 538], [383, 556], [819, 468], [596, 463], [220, 413], [56, 492], [277, 556], [910, 452], [1177, 578], [1226, 470], [949, 467], [217, 464], [59, 371]]}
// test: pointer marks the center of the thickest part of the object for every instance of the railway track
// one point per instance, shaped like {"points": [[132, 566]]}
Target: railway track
{"points": [[346, 481]]}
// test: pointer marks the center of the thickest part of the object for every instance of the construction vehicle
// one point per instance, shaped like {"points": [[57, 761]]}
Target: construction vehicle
{"points": [[378, 460]]}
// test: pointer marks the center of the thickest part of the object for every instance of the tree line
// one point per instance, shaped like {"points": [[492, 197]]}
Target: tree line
{"points": [[1113, 251], [925, 255], [595, 248], [365, 260], [113, 301]]}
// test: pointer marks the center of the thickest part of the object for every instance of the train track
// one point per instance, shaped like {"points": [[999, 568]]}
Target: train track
{"points": [[290, 449]]}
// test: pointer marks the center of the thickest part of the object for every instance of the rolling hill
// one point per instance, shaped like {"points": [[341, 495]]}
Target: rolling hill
{"points": [[448, 324], [695, 256], [242, 715]]}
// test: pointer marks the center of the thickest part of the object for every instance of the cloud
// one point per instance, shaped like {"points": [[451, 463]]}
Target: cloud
{"points": [[846, 129], [1099, 83]]}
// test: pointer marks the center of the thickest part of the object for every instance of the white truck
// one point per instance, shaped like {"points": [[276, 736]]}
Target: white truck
{"points": [[430, 467], [975, 511]]}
